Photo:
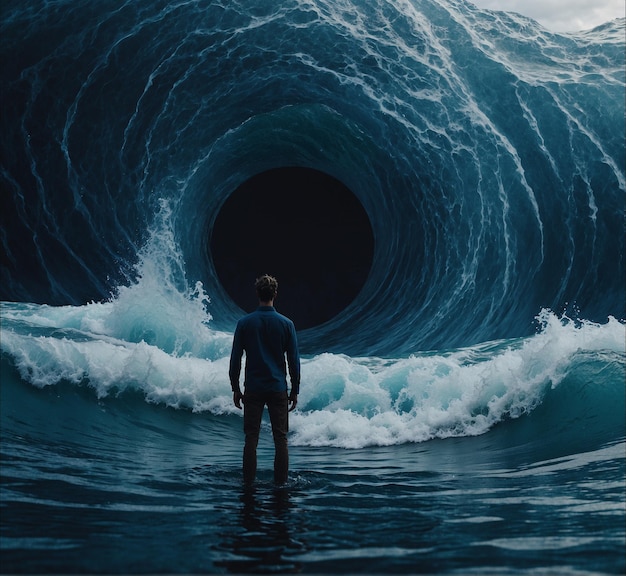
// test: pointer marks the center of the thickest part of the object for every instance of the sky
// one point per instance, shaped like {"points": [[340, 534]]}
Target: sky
{"points": [[561, 15]]}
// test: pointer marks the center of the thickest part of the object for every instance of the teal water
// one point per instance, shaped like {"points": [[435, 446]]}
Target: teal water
{"points": [[463, 414], [118, 484]]}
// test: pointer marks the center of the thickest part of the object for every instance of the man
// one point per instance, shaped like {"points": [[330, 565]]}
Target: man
{"points": [[266, 337]]}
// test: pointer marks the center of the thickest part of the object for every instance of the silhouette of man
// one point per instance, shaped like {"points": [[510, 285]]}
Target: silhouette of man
{"points": [[266, 337]]}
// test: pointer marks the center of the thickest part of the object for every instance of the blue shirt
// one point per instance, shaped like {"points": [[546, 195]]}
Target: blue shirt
{"points": [[266, 337]]}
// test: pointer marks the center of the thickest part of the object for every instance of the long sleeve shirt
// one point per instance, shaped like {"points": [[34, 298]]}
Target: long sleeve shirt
{"points": [[267, 337]]}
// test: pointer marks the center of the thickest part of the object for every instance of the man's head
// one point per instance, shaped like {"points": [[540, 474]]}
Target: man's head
{"points": [[266, 288]]}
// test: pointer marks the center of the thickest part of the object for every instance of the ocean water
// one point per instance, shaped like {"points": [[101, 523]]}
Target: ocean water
{"points": [[465, 414]]}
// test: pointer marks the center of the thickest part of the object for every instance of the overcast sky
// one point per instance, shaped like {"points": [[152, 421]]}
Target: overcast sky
{"points": [[561, 15]]}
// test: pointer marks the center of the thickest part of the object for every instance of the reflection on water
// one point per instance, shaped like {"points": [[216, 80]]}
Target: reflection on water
{"points": [[263, 540]]}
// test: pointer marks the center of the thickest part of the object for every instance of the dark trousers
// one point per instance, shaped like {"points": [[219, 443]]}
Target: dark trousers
{"points": [[278, 408]]}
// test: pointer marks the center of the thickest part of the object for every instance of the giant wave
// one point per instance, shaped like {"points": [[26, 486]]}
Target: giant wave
{"points": [[487, 152]]}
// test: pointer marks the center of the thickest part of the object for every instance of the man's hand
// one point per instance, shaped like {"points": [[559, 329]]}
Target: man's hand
{"points": [[293, 401], [237, 398]]}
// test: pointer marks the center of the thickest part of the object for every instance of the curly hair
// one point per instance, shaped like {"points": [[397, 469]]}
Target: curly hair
{"points": [[266, 287]]}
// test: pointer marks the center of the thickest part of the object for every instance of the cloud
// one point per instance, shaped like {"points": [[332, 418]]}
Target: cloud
{"points": [[561, 15]]}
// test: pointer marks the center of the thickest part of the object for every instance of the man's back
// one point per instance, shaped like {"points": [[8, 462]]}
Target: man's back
{"points": [[265, 336]]}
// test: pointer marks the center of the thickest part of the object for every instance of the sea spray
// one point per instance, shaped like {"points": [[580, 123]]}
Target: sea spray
{"points": [[160, 307]]}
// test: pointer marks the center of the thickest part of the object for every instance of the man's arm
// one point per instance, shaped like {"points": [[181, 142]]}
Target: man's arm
{"points": [[234, 370], [293, 360]]}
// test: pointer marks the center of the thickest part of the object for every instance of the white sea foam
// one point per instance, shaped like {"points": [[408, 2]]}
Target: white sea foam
{"points": [[460, 393], [346, 402]]}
